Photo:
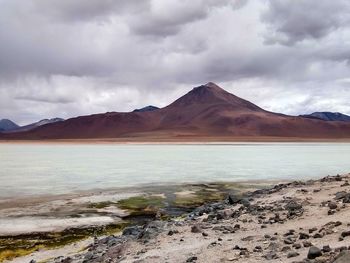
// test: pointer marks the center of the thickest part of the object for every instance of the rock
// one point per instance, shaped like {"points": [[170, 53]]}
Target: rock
{"points": [[271, 255], [222, 215], [326, 249], [289, 241], [343, 257], [151, 230], [236, 247], [205, 234], [132, 231], [345, 184], [112, 241], [224, 228], [340, 249], [245, 202], [346, 198], [293, 205], [285, 249], [331, 212], [307, 244], [232, 199], [196, 229], [318, 235], [273, 246], [294, 209], [314, 252], [292, 254], [311, 230], [257, 249], [303, 235], [88, 256], [192, 259], [340, 195], [345, 234], [297, 246], [332, 205]]}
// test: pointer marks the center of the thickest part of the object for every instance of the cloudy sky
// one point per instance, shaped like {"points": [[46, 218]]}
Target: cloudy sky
{"points": [[63, 58]]}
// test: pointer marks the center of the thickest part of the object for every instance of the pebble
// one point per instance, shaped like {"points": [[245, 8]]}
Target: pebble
{"points": [[196, 229], [192, 259], [292, 254]]}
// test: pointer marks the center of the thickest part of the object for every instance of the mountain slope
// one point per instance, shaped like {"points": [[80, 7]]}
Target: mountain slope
{"points": [[328, 116], [7, 125], [205, 111], [36, 124]]}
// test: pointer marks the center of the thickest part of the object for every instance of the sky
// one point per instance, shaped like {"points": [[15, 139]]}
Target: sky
{"points": [[64, 58]]}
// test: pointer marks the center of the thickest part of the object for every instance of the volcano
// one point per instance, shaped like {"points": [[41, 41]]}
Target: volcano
{"points": [[207, 111]]}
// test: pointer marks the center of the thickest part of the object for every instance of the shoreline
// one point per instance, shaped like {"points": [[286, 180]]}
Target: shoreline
{"points": [[14, 200], [180, 141], [244, 228], [58, 220]]}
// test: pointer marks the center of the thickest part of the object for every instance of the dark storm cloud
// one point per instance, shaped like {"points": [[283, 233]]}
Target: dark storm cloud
{"points": [[66, 58], [293, 21]]}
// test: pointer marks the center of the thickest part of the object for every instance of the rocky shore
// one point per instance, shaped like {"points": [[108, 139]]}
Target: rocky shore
{"points": [[293, 222]]}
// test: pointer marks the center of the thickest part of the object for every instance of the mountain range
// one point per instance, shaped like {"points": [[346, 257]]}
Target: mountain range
{"points": [[328, 116], [9, 126], [207, 111]]}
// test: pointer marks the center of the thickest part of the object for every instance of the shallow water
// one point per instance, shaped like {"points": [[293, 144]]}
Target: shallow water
{"points": [[35, 169]]}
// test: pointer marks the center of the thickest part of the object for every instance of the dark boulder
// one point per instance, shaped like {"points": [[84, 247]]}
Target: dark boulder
{"points": [[314, 252]]}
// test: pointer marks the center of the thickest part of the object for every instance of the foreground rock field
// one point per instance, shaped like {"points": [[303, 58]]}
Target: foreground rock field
{"points": [[293, 222]]}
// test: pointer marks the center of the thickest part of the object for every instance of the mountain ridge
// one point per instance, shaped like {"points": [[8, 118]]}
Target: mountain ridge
{"points": [[328, 116], [17, 128], [205, 111]]}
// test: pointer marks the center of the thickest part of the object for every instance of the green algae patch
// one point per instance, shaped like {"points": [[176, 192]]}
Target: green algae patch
{"points": [[11, 254], [198, 198], [142, 205], [196, 195], [101, 205], [25, 244]]}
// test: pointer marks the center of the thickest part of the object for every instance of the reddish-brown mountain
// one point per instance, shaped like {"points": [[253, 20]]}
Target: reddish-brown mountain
{"points": [[206, 111]]}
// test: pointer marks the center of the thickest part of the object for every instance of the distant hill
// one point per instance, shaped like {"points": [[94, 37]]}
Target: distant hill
{"points": [[207, 111], [328, 116], [147, 108], [7, 125]]}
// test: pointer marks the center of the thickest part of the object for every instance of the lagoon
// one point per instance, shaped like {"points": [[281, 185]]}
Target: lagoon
{"points": [[31, 169]]}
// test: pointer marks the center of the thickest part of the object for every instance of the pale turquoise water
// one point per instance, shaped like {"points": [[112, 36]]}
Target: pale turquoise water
{"points": [[32, 169]]}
